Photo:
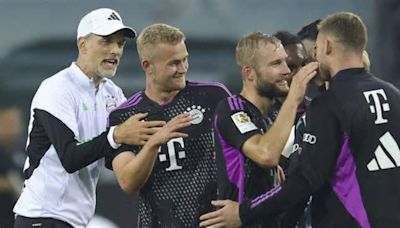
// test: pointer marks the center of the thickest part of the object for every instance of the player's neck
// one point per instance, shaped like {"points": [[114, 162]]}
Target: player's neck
{"points": [[262, 103], [96, 79], [346, 62]]}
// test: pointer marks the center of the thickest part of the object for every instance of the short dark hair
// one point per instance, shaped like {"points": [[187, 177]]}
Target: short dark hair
{"points": [[309, 31], [347, 28], [287, 38]]}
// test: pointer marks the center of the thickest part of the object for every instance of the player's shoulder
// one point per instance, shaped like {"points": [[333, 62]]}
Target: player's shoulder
{"points": [[56, 87], [130, 103], [328, 104], [231, 104], [59, 78], [387, 86], [209, 87], [128, 107]]}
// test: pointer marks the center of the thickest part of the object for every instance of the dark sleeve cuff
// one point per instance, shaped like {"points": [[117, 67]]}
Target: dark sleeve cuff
{"points": [[110, 155]]}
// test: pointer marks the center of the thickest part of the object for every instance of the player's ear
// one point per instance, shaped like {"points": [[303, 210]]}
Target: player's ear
{"points": [[81, 43], [328, 46], [247, 72], [146, 65]]}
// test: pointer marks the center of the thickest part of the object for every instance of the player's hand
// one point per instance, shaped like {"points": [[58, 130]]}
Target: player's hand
{"points": [[136, 131], [226, 216], [281, 175], [300, 81], [170, 130]]}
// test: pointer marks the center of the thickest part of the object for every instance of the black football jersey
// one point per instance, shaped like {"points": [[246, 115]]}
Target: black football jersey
{"points": [[236, 120], [183, 181], [351, 157]]}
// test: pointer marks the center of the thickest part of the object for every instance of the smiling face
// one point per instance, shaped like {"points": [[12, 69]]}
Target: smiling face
{"points": [[272, 71], [99, 56], [168, 67]]}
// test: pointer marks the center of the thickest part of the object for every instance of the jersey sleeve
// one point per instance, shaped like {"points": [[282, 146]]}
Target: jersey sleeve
{"points": [[214, 91], [54, 120], [115, 118], [221, 92], [322, 142], [73, 155], [234, 127], [59, 103]]}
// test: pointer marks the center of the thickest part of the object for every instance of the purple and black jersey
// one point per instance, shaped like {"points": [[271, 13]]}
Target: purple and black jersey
{"points": [[239, 178], [183, 180], [350, 161]]}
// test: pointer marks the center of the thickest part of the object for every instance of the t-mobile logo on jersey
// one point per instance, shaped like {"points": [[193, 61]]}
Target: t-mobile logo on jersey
{"points": [[377, 107], [173, 164]]}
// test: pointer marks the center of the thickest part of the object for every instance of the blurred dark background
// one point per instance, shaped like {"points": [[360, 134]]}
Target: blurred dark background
{"points": [[38, 38]]}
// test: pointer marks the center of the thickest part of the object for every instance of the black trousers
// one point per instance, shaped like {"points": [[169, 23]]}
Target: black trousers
{"points": [[24, 222]]}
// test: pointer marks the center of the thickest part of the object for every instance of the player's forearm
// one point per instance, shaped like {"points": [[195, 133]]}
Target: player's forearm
{"points": [[136, 173], [276, 137], [281, 198], [73, 155], [79, 155], [118, 135]]}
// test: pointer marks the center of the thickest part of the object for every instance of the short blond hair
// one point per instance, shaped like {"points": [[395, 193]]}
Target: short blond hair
{"points": [[156, 34], [347, 28], [248, 45]]}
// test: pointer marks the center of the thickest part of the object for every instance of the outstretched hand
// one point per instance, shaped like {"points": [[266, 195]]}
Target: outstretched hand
{"points": [[226, 216], [136, 131]]}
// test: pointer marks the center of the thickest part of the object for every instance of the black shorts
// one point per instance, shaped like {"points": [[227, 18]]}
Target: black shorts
{"points": [[24, 222]]}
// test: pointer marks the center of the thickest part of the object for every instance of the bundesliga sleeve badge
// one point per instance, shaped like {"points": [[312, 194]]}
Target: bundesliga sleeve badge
{"points": [[243, 122]]}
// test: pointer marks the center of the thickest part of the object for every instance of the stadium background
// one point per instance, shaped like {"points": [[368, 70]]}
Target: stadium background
{"points": [[38, 39]]}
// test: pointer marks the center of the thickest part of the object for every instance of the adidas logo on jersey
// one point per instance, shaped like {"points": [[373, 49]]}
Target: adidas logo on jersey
{"points": [[387, 155]]}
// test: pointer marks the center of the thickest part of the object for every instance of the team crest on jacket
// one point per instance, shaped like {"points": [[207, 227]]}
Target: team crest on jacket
{"points": [[196, 112], [111, 103]]}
